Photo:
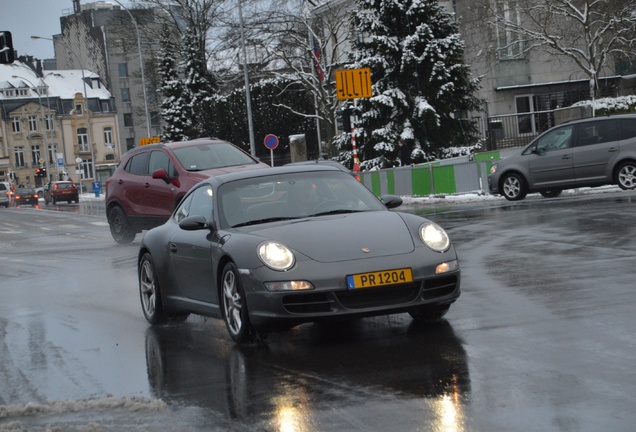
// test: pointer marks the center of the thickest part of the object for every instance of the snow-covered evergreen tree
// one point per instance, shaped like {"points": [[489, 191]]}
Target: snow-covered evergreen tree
{"points": [[196, 84], [176, 122], [420, 84]]}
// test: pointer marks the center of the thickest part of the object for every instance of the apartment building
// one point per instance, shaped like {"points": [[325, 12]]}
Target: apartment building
{"points": [[63, 121], [105, 38]]}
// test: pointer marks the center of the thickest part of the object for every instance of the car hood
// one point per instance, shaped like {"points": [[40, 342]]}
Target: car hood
{"points": [[343, 237]]}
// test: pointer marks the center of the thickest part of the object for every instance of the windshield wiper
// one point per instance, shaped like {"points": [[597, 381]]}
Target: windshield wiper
{"points": [[336, 211], [260, 221]]}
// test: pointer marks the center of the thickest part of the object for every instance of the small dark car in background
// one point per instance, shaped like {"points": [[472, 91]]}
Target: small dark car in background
{"points": [[26, 196], [61, 191], [151, 180]]}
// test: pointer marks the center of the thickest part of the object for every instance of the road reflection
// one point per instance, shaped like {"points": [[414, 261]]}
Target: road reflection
{"points": [[291, 382]]}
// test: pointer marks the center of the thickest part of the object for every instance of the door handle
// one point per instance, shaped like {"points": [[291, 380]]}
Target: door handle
{"points": [[146, 185], [566, 157], [120, 181], [173, 248], [612, 149]]}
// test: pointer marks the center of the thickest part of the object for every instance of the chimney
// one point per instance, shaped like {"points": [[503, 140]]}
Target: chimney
{"points": [[76, 6]]}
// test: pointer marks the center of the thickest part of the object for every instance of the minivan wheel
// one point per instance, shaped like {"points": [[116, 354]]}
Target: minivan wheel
{"points": [[120, 229], [551, 193], [513, 187], [626, 176]]}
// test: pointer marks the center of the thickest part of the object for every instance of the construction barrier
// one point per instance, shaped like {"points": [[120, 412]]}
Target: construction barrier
{"points": [[466, 174]]}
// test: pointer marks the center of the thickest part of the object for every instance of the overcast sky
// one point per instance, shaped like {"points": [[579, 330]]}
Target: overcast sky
{"points": [[25, 18]]}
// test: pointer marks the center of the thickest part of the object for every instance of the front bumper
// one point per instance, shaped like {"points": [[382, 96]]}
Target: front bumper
{"points": [[331, 299]]}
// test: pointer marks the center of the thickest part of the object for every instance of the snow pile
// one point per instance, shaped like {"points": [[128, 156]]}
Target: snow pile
{"points": [[604, 106]]}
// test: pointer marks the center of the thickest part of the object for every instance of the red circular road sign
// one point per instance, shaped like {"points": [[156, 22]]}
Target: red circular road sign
{"points": [[271, 141]]}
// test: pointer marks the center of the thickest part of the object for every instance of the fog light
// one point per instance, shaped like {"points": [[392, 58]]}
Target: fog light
{"points": [[288, 286], [446, 267]]}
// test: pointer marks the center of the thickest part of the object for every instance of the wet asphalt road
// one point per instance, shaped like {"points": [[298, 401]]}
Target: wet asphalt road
{"points": [[542, 338]]}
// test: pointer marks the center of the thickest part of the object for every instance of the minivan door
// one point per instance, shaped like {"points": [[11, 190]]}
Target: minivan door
{"points": [[596, 146], [551, 164]]}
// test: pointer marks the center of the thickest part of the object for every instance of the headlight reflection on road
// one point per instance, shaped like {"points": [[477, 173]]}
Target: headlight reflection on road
{"points": [[290, 419], [448, 408]]}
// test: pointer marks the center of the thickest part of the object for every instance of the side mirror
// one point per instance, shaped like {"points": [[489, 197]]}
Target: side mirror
{"points": [[193, 223], [391, 201], [161, 174]]}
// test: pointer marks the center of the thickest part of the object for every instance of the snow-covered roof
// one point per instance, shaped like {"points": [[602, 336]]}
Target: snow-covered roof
{"points": [[61, 83]]}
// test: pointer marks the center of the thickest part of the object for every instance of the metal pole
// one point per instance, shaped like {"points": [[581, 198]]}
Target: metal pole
{"points": [[247, 83], [141, 65], [88, 111]]}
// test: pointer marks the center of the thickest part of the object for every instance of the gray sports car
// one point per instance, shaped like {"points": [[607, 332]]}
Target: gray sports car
{"points": [[269, 249]]}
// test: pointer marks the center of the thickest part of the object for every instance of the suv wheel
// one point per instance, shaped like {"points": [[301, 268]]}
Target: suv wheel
{"points": [[626, 176], [513, 187], [120, 229]]}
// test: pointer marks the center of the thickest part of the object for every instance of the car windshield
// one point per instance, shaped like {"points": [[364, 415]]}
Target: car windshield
{"points": [[202, 157], [292, 196]]}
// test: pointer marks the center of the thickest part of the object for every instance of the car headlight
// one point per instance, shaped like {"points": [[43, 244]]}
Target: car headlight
{"points": [[493, 169], [434, 237], [276, 256]]}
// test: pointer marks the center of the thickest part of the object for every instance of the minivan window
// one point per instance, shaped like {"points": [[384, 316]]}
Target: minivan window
{"points": [[627, 128], [557, 139], [595, 132], [138, 164]]}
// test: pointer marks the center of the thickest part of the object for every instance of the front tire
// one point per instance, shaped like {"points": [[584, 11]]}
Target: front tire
{"points": [[234, 306], [513, 187], [626, 176], [149, 292], [120, 229]]}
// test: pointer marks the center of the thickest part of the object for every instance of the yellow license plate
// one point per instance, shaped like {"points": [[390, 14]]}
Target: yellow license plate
{"points": [[379, 278]]}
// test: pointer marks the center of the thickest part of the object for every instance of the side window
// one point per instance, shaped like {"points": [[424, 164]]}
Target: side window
{"points": [[202, 202], [159, 159], [595, 132], [557, 139], [627, 128], [138, 164], [183, 210]]}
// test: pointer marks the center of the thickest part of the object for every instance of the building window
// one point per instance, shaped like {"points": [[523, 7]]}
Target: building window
{"points": [[108, 136], [125, 95], [19, 156], [79, 109], [50, 122], [154, 118], [15, 124], [35, 155], [130, 143], [52, 154], [82, 140], [86, 168], [509, 43], [128, 120], [123, 69], [33, 123]]}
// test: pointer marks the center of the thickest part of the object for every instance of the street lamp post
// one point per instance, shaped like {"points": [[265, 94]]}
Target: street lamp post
{"points": [[141, 65], [42, 125], [88, 111]]}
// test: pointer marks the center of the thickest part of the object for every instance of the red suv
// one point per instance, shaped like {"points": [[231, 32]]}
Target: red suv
{"points": [[151, 180]]}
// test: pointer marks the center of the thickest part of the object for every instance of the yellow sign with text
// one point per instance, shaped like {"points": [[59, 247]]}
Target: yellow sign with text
{"points": [[353, 83], [150, 140]]}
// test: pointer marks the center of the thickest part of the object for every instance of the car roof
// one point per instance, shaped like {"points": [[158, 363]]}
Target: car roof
{"points": [[176, 144]]}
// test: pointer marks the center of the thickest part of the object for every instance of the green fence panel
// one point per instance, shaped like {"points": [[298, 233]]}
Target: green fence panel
{"points": [[421, 178], [444, 179], [375, 183]]}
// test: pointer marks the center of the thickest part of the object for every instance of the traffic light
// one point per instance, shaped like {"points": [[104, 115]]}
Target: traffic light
{"points": [[344, 119], [38, 172], [7, 54]]}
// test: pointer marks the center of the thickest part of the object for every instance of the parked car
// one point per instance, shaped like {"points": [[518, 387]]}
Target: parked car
{"points": [[151, 180], [590, 152], [26, 196], [269, 249], [5, 194], [61, 191]]}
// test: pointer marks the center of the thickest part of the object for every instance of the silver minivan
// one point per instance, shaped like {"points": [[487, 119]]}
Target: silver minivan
{"points": [[590, 152]]}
